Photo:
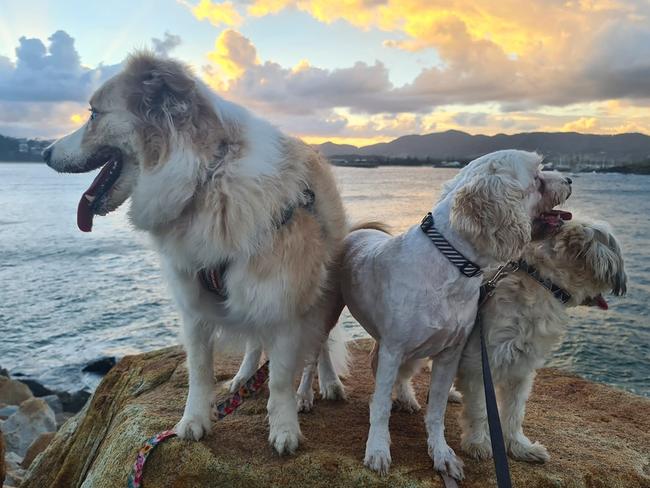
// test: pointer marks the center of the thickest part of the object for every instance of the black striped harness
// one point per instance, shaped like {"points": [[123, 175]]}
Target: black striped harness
{"points": [[464, 265], [214, 279]]}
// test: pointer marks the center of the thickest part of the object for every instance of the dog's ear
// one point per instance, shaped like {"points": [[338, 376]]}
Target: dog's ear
{"points": [[489, 212], [603, 256], [160, 90]]}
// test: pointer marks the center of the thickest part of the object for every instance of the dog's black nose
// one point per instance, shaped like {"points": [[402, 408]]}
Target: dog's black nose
{"points": [[569, 180], [47, 154]]}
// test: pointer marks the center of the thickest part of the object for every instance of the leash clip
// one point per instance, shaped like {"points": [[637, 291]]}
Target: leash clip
{"points": [[501, 273]]}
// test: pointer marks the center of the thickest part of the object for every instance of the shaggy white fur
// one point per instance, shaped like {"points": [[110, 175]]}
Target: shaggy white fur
{"points": [[524, 322], [209, 182]]}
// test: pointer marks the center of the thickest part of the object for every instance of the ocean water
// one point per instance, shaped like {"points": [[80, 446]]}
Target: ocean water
{"points": [[67, 297]]}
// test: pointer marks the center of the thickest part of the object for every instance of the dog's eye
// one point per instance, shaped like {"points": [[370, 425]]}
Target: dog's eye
{"points": [[93, 113]]}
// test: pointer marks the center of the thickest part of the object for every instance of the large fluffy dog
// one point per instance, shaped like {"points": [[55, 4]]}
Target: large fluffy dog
{"points": [[524, 321], [417, 304], [247, 221]]}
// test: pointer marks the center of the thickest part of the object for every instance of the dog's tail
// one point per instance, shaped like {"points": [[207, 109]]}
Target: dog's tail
{"points": [[374, 225], [338, 348]]}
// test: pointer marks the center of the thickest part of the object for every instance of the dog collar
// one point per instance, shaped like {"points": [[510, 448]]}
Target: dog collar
{"points": [[558, 292], [464, 265], [214, 279]]}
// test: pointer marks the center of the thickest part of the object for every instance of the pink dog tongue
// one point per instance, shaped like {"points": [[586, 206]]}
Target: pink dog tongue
{"points": [[85, 212], [601, 302], [553, 217]]}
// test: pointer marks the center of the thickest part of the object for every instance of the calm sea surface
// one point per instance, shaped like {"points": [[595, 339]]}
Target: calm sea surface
{"points": [[67, 297]]}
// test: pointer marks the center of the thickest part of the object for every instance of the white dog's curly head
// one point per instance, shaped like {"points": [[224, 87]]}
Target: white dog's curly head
{"points": [[496, 198], [582, 257]]}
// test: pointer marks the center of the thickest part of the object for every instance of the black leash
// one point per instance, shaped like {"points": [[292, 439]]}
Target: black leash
{"points": [[499, 455]]}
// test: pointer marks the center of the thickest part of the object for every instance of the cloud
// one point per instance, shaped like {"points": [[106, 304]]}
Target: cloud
{"points": [[217, 14], [52, 73], [583, 124], [471, 119], [164, 46], [305, 89], [42, 119], [233, 54], [528, 53]]}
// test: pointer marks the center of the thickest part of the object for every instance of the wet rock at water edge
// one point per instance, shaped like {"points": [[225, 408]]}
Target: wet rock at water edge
{"points": [[13, 392], [33, 418], [100, 366], [55, 403], [37, 388], [73, 402]]}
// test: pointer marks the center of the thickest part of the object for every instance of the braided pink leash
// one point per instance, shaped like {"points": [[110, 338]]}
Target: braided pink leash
{"points": [[222, 410]]}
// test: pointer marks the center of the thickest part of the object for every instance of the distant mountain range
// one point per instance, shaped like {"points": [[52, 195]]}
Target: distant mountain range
{"points": [[565, 149]]}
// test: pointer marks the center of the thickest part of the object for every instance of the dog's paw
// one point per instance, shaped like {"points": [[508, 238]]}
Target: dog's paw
{"points": [[532, 452], [406, 404], [455, 396], [305, 401], [478, 450], [378, 459], [445, 460], [333, 391], [285, 440], [193, 427]]}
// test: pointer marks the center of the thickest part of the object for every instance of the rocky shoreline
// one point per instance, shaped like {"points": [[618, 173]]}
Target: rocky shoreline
{"points": [[598, 436], [30, 416]]}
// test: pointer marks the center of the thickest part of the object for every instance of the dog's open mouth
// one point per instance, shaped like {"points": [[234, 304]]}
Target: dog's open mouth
{"points": [[597, 301], [548, 222], [94, 198]]}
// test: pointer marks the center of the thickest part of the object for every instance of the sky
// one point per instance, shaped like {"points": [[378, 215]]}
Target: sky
{"points": [[350, 71]]}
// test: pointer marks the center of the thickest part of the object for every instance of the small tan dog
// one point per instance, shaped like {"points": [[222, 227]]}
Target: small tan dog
{"points": [[524, 322]]}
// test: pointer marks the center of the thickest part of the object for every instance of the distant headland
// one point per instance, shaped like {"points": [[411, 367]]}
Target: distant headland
{"points": [[564, 151]]}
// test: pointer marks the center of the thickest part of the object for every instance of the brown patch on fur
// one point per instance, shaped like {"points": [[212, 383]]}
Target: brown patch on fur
{"points": [[307, 247], [164, 96]]}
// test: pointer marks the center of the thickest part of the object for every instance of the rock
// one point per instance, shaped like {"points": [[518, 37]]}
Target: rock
{"points": [[7, 411], [13, 392], [33, 418], [37, 447], [62, 418], [37, 388], [100, 366], [13, 461], [4, 372], [15, 472], [73, 402], [55, 403], [2, 459], [598, 436]]}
